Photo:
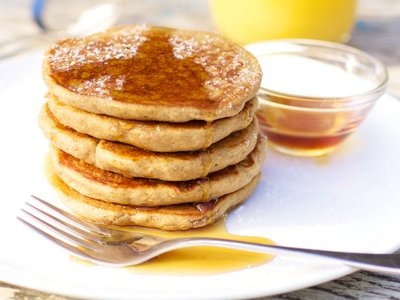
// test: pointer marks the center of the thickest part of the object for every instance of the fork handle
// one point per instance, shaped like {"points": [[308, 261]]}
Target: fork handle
{"points": [[384, 263]]}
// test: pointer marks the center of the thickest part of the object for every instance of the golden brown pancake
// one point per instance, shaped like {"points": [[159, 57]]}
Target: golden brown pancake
{"points": [[131, 161], [112, 187], [78, 144], [172, 217], [153, 136], [153, 73]]}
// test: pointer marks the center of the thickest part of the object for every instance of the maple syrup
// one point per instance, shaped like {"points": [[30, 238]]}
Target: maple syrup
{"points": [[308, 146], [202, 260], [142, 67], [304, 132]]}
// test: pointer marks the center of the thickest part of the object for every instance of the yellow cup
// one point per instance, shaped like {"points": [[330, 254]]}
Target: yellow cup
{"points": [[246, 21]]}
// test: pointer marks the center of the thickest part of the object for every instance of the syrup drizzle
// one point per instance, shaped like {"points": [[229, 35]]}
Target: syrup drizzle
{"points": [[151, 64]]}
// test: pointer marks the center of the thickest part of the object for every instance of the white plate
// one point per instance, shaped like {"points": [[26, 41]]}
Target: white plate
{"points": [[348, 201]]}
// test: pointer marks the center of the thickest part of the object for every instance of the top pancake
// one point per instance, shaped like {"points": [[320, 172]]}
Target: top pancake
{"points": [[153, 73]]}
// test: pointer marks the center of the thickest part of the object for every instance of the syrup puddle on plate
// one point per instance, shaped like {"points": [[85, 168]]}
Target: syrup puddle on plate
{"points": [[203, 260], [198, 260]]}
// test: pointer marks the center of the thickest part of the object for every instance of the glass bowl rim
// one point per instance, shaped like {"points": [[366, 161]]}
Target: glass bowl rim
{"points": [[310, 43]]}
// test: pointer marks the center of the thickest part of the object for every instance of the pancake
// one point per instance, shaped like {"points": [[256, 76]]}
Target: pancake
{"points": [[78, 144], [153, 73], [112, 187], [172, 217], [131, 161], [153, 136]]}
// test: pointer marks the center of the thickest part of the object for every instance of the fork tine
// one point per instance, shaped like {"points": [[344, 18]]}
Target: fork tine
{"points": [[76, 250], [74, 240], [86, 226], [88, 235]]}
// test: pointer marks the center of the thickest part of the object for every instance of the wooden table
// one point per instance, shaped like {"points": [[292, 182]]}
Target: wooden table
{"points": [[377, 32]]}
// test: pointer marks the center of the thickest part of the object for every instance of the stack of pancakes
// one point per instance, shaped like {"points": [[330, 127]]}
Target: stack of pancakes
{"points": [[152, 126]]}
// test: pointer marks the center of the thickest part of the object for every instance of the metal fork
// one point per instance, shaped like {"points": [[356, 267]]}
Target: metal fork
{"points": [[119, 248]]}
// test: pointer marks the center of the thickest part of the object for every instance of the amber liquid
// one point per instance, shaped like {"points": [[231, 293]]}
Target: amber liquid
{"points": [[199, 260], [189, 261], [305, 132], [303, 145], [151, 72], [203, 260]]}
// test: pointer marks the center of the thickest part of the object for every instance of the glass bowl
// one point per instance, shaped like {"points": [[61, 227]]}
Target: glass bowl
{"points": [[314, 94]]}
